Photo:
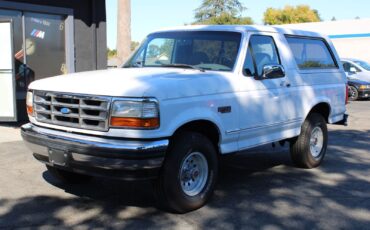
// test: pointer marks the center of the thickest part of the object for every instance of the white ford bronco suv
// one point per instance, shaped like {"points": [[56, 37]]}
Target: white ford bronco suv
{"points": [[186, 97]]}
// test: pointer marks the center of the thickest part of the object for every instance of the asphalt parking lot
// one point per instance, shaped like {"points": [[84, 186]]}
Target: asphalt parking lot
{"points": [[258, 190]]}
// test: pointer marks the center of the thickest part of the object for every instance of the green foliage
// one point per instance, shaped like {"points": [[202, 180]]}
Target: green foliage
{"points": [[111, 53], [215, 8], [290, 15], [227, 19], [221, 12], [134, 45]]}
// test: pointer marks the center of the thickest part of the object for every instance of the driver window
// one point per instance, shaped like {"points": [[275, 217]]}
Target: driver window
{"points": [[264, 51], [159, 52]]}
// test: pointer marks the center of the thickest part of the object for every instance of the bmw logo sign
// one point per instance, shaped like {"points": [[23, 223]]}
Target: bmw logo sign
{"points": [[65, 111]]}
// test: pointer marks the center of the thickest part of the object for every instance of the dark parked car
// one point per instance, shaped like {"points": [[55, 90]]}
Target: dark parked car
{"points": [[358, 89]]}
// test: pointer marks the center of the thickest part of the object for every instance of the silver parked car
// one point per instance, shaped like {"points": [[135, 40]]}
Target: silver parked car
{"points": [[357, 69]]}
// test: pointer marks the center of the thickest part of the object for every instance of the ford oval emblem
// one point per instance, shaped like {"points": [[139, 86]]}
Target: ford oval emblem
{"points": [[65, 111]]}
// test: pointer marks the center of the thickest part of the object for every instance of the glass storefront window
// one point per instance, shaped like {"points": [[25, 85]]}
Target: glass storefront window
{"points": [[45, 45]]}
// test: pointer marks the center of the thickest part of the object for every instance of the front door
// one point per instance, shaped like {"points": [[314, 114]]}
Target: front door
{"points": [[7, 83], [263, 116]]}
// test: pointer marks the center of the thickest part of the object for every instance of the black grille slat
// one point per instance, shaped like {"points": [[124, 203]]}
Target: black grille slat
{"points": [[93, 103], [62, 100], [67, 119]]}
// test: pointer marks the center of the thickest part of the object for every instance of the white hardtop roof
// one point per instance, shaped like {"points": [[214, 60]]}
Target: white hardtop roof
{"points": [[243, 28]]}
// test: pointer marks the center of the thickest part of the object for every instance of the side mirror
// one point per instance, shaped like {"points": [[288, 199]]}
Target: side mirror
{"points": [[352, 70], [273, 71]]}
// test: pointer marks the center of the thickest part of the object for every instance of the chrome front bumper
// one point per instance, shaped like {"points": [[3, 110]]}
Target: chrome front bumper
{"points": [[120, 158]]}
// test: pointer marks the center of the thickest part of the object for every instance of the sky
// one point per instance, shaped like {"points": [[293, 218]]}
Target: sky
{"points": [[151, 15]]}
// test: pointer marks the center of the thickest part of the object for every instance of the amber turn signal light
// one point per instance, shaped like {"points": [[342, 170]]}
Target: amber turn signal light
{"points": [[149, 123], [30, 110], [29, 103]]}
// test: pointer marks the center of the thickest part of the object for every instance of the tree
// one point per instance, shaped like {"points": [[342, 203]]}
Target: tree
{"points": [[221, 12], [290, 15], [111, 53], [134, 45]]}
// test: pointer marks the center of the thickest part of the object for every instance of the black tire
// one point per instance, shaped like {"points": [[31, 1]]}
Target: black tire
{"points": [[169, 187], [68, 177], [301, 153], [352, 93]]}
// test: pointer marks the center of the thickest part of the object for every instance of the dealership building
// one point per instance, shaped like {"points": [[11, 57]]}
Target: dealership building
{"points": [[351, 38], [44, 38]]}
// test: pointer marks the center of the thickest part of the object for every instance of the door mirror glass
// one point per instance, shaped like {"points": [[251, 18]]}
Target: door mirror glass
{"points": [[273, 71]]}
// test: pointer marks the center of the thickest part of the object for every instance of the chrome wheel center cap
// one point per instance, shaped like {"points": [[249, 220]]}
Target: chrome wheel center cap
{"points": [[195, 174]]}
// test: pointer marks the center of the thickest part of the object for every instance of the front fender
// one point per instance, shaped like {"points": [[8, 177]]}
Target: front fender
{"points": [[180, 112], [195, 114]]}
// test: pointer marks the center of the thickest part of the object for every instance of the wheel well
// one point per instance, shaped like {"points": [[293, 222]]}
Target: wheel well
{"points": [[207, 128], [323, 109]]}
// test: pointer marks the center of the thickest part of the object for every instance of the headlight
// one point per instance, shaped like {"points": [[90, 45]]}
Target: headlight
{"points": [[29, 103], [364, 87], [135, 114]]}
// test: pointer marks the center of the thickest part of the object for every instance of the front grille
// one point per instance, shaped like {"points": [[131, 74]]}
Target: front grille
{"points": [[77, 111]]}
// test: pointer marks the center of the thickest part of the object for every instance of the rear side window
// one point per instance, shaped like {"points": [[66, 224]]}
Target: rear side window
{"points": [[311, 53]]}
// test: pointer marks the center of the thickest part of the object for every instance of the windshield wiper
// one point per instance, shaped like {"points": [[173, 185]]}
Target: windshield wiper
{"points": [[183, 66]]}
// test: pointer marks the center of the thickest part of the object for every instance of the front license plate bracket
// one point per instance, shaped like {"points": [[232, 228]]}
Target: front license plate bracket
{"points": [[58, 157]]}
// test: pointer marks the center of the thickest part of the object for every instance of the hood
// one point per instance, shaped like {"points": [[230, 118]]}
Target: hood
{"points": [[357, 81], [161, 83], [363, 76]]}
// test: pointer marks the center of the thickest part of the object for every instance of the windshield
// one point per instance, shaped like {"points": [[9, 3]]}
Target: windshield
{"points": [[363, 64], [205, 50]]}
